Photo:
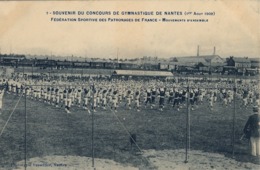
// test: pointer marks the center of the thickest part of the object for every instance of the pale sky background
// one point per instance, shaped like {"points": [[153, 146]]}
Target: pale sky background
{"points": [[234, 30]]}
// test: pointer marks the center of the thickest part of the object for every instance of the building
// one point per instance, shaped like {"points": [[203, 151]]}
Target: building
{"points": [[199, 59], [11, 60], [213, 59], [255, 63], [188, 60], [239, 63]]}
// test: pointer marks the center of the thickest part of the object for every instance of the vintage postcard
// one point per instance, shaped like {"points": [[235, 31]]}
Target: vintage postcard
{"points": [[129, 84]]}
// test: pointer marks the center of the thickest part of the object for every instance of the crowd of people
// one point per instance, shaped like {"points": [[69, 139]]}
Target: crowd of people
{"points": [[101, 94], [96, 94]]}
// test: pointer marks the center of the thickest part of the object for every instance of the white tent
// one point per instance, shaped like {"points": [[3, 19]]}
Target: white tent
{"points": [[142, 73]]}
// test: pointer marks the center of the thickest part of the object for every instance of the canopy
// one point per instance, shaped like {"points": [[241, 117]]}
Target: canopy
{"points": [[142, 73]]}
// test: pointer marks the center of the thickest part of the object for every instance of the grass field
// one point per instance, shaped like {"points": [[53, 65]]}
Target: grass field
{"points": [[51, 131]]}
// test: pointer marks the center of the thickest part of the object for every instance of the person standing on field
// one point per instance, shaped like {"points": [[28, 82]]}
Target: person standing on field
{"points": [[252, 130], [1, 100]]}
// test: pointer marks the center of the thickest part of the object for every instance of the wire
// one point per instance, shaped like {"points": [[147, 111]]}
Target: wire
{"points": [[126, 130], [10, 116]]}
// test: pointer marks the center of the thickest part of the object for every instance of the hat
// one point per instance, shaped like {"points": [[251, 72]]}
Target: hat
{"points": [[255, 109]]}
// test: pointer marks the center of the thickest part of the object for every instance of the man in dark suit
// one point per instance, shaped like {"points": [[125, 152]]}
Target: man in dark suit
{"points": [[252, 130]]}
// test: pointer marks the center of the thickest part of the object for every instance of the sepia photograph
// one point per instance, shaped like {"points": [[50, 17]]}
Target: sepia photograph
{"points": [[130, 85]]}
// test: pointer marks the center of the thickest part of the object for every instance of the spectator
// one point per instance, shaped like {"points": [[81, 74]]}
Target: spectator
{"points": [[252, 130]]}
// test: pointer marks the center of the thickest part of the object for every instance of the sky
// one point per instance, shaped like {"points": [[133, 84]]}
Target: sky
{"points": [[234, 30]]}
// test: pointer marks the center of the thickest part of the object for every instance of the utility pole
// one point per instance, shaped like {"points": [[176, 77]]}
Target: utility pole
{"points": [[25, 131], [234, 118], [187, 148]]}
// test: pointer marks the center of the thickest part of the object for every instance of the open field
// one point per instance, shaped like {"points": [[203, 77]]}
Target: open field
{"points": [[53, 132]]}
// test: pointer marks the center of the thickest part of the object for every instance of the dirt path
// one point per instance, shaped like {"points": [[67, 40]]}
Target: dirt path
{"points": [[197, 160], [162, 160]]}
